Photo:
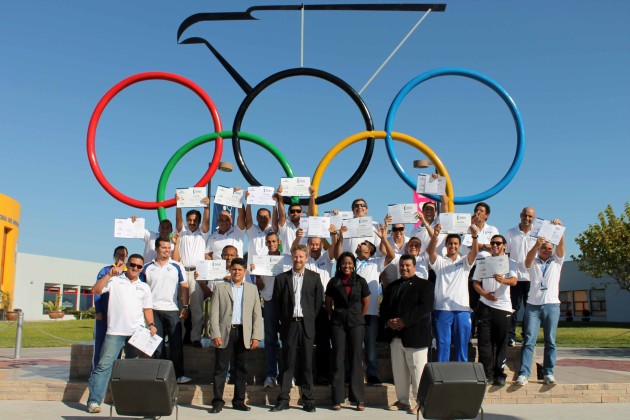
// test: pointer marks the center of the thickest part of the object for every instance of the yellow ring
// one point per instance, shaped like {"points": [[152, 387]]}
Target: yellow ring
{"points": [[380, 135]]}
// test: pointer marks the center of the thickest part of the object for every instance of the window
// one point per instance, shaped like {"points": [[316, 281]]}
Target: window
{"points": [[580, 297], [566, 304], [598, 302]]}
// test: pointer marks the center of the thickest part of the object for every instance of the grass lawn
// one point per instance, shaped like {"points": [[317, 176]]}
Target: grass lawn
{"points": [[38, 333], [589, 334]]}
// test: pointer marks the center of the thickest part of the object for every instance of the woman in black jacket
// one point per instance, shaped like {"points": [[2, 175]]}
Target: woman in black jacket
{"points": [[347, 299]]}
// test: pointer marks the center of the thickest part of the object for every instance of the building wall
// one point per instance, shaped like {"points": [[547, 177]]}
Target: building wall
{"points": [[9, 230], [37, 272]]}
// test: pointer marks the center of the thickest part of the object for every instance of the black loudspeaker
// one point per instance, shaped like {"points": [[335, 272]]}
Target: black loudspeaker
{"points": [[144, 387], [451, 390]]}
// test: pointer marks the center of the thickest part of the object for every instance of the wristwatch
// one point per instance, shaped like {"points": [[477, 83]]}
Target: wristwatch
{"points": [[151, 325], [185, 307]]}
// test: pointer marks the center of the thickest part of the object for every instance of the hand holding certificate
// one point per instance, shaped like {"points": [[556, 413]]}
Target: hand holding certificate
{"points": [[126, 228], [296, 187], [229, 197], [144, 341], [317, 227], [190, 197], [402, 213], [428, 184], [262, 196], [489, 266], [552, 232], [455, 222], [211, 269], [268, 265], [358, 227]]}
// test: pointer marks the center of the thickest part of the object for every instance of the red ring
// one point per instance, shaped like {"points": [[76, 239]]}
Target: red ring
{"points": [[100, 107]]}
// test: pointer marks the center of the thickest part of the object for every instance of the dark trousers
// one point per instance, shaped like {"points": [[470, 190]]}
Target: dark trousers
{"points": [[293, 344], [518, 294], [493, 330], [347, 340], [169, 325], [322, 346], [222, 359]]}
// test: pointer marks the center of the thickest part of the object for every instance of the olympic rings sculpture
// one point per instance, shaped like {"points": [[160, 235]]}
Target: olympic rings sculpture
{"points": [[369, 135]]}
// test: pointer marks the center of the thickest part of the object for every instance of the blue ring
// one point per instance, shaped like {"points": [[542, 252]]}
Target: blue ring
{"points": [[454, 71]]}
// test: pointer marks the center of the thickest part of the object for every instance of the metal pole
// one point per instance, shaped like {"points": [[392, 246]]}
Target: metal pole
{"points": [[18, 335]]}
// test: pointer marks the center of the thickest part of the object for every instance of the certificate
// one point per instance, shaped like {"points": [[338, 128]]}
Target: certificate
{"points": [[337, 219], [544, 228], [455, 222], [211, 269], [229, 197], [125, 228], [359, 227], [268, 265], [402, 213], [489, 266], [296, 187], [263, 196], [317, 227], [143, 341], [429, 185], [190, 197]]}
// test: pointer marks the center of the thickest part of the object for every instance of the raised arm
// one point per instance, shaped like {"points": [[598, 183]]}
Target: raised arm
{"points": [[311, 201], [431, 252], [386, 248], [249, 221], [240, 221], [179, 220], [560, 247], [102, 282], [338, 245], [474, 247], [529, 259], [176, 254], [279, 216], [205, 221], [334, 237]]}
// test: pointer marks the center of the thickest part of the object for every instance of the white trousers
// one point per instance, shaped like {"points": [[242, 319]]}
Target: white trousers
{"points": [[407, 366]]}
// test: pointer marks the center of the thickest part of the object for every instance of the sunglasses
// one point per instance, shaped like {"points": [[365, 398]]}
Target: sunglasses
{"points": [[295, 211], [398, 229], [359, 205], [496, 243], [138, 266]]}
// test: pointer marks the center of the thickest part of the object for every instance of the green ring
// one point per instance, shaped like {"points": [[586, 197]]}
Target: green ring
{"points": [[206, 138]]}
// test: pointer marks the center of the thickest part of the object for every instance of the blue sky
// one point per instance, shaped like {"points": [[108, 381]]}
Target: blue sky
{"points": [[565, 63]]}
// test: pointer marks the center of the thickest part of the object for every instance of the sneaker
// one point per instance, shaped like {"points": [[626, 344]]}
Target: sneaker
{"points": [[94, 408], [521, 380], [549, 380], [270, 382], [183, 379], [398, 406], [512, 342]]}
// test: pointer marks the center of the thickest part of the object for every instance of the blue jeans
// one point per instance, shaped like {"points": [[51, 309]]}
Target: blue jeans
{"points": [[272, 328], [455, 326], [535, 315], [369, 342], [99, 379]]}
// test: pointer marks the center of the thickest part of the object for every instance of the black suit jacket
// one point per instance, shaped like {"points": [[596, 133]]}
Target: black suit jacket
{"points": [[311, 300], [412, 301], [348, 310]]}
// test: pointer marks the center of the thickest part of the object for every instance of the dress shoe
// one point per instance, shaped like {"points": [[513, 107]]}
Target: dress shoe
{"points": [[196, 344], [241, 407], [279, 407], [309, 407], [216, 409]]}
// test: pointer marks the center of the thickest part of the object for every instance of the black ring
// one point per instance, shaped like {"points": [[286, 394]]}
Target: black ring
{"points": [[356, 98]]}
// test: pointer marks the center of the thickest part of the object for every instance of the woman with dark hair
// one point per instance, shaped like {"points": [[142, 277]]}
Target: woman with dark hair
{"points": [[347, 299]]}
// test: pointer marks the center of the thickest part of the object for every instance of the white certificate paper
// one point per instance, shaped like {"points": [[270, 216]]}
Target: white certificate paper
{"points": [[228, 197], [429, 185], [544, 228], [190, 197], [268, 265], [358, 227], [211, 269], [125, 228], [337, 219], [296, 187], [262, 196], [489, 266], [143, 341], [317, 227], [455, 222], [402, 213]]}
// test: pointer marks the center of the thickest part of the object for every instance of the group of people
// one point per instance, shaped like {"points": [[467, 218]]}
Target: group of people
{"points": [[395, 289]]}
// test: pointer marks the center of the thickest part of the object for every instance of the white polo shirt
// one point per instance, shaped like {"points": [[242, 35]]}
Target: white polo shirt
{"points": [[545, 280], [518, 245], [192, 246], [422, 266], [501, 291], [397, 250], [287, 234], [164, 282], [451, 283], [217, 241], [127, 301], [421, 233], [256, 242], [322, 265], [485, 234], [370, 269]]}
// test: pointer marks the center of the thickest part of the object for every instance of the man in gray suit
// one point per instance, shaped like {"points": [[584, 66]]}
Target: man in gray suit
{"points": [[297, 296], [235, 328]]}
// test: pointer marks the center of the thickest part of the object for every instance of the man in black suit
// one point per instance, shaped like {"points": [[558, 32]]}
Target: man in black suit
{"points": [[405, 316], [297, 296]]}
